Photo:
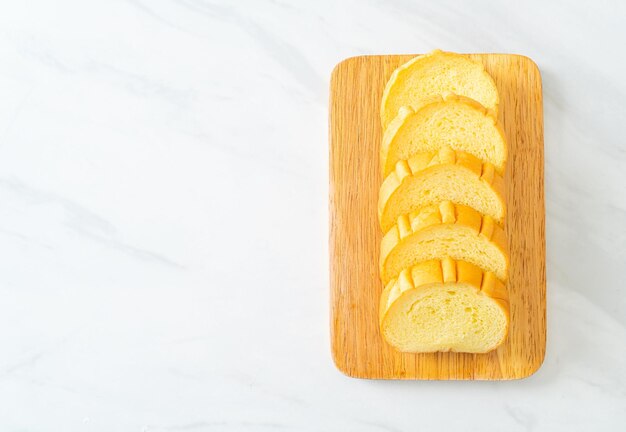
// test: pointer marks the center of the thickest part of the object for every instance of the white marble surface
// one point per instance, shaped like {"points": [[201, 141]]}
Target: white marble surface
{"points": [[163, 215]]}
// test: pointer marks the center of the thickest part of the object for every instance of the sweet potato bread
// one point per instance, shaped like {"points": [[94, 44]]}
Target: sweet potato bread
{"points": [[440, 231], [444, 305], [443, 258], [444, 175], [436, 73], [448, 120]]}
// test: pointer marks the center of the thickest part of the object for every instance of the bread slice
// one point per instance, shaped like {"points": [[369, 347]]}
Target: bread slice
{"points": [[456, 121], [444, 305], [444, 175], [444, 230], [437, 73]]}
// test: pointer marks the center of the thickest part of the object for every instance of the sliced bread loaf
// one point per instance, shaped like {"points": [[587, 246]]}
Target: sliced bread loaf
{"points": [[456, 121], [444, 230], [436, 73], [444, 175], [444, 305]]}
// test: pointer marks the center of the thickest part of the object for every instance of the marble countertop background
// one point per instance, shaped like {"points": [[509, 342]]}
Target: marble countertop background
{"points": [[163, 215]]}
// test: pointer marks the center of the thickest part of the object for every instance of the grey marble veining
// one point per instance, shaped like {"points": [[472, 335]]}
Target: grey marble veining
{"points": [[163, 208]]}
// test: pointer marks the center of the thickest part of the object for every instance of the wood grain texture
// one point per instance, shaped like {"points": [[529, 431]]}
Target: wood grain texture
{"points": [[355, 134]]}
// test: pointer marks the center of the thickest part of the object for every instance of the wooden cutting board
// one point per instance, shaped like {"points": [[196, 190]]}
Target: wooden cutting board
{"points": [[355, 134]]}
